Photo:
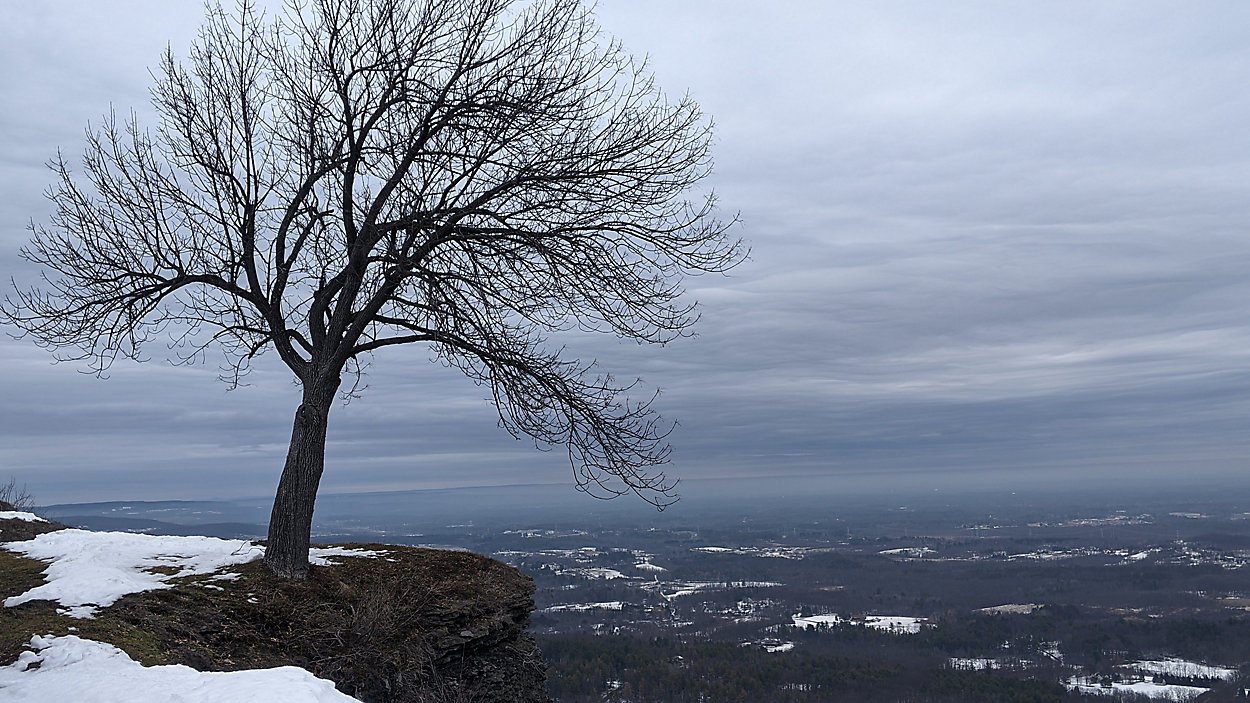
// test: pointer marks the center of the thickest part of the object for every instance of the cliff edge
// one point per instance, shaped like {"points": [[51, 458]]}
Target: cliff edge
{"points": [[385, 623]]}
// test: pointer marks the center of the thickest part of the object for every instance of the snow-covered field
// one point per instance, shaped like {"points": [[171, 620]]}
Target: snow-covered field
{"points": [[580, 607], [898, 624], [1164, 692], [1011, 609], [916, 552], [1184, 669], [767, 552], [88, 571], [676, 589], [596, 573]]}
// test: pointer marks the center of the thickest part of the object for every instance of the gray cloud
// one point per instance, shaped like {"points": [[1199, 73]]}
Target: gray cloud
{"points": [[983, 237]]}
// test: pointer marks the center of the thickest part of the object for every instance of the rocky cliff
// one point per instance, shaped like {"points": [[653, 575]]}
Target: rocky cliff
{"points": [[404, 624]]}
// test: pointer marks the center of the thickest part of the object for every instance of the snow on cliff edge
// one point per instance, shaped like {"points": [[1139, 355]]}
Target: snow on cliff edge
{"points": [[91, 570], [88, 571]]}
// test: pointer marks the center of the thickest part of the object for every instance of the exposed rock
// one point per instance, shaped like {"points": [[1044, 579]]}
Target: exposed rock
{"points": [[413, 625]]}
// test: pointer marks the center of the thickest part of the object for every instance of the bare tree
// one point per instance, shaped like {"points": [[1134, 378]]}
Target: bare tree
{"points": [[14, 498], [471, 175]]}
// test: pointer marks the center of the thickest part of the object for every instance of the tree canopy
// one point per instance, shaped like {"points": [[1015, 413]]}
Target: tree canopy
{"points": [[347, 175]]}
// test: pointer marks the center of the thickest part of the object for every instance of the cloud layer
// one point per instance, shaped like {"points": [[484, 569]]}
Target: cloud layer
{"points": [[984, 236]]}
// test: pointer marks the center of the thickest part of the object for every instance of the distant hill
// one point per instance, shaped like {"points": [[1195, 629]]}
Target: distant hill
{"points": [[178, 512], [224, 530]]}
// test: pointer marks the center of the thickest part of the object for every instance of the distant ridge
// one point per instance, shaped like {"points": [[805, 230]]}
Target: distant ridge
{"points": [[222, 530]]}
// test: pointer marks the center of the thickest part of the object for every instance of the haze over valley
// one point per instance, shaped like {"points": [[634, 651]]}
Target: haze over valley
{"points": [[896, 584]]}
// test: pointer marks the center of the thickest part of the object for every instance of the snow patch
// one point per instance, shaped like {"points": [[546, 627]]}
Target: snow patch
{"points": [[1011, 609], [1167, 692], [19, 515], [70, 668], [579, 607], [897, 624], [916, 552], [688, 588], [598, 573], [1183, 669], [91, 570], [322, 556]]}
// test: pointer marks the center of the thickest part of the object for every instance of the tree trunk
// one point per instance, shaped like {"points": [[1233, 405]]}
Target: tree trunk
{"points": [[290, 523]]}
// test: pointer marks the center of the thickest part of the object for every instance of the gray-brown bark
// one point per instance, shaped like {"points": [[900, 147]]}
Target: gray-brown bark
{"points": [[290, 522]]}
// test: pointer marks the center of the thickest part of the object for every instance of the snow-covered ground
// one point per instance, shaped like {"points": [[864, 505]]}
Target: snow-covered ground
{"points": [[1011, 609], [1183, 669], [815, 621], [74, 669], [917, 552], [91, 570], [596, 573], [1164, 692], [768, 552], [676, 589], [19, 515], [579, 607], [899, 624], [88, 571]]}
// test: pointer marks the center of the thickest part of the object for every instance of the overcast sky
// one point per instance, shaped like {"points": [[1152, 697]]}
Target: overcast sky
{"points": [[986, 235]]}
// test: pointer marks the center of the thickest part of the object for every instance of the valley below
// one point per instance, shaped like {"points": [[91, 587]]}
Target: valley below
{"points": [[920, 595]]}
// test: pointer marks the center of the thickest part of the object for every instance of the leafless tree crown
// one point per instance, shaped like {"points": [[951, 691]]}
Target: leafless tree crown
{"points": [[353, 174]]}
